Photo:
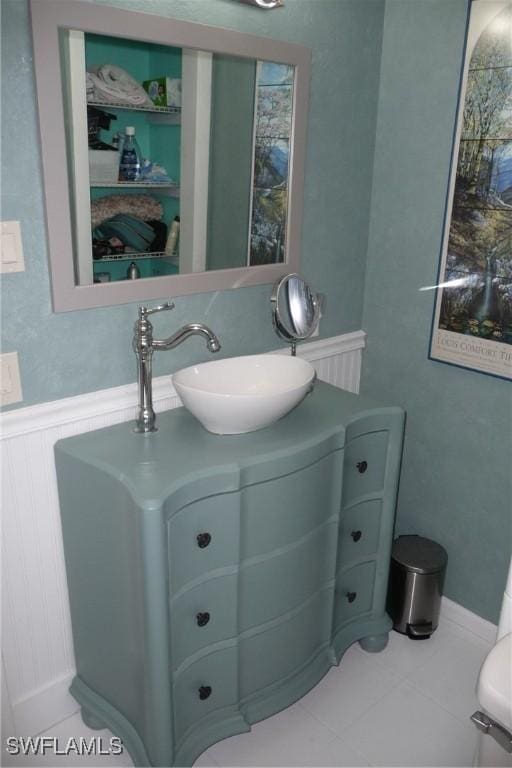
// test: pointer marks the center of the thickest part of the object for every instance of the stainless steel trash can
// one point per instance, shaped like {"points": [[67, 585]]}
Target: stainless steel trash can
{"points": [[416, 579]]}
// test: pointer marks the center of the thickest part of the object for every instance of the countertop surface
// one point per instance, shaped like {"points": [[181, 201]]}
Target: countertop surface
{"points": [[152, 465]]}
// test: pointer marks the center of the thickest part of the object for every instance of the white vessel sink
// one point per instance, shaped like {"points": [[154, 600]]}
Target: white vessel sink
{"points": [[242, 394]]}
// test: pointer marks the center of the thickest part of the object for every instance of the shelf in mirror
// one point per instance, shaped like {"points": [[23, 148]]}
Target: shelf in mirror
{"points": [[170, 190], [167, 115], [131, 255]]}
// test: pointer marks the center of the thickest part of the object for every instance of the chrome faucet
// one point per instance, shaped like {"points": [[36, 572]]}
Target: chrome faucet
{"points": [[143, 346]]}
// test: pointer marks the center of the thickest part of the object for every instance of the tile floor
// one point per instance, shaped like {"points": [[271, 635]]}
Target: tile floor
{"points": [[406, 706]]}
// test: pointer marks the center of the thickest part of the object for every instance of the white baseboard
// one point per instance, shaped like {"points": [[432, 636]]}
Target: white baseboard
{"points": [[469, 621], [44, 708]]}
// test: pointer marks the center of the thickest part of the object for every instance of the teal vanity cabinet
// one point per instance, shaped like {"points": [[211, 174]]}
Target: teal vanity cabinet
{"points": [[214, 580]]}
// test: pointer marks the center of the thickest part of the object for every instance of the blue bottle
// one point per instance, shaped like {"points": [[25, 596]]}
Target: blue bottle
{"points": [[131, 159]]}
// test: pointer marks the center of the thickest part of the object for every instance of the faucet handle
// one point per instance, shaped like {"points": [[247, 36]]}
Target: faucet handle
{"points": [[144, 311]]}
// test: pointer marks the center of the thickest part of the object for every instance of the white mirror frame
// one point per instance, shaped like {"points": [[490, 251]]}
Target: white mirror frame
{"points": [[50, 15]]}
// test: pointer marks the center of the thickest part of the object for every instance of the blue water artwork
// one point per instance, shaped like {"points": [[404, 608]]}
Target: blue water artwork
{"points": [[273, 129], [473, 314]]}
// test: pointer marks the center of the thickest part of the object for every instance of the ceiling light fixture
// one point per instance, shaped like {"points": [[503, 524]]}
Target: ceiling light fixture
{"points": [[266, 4]]}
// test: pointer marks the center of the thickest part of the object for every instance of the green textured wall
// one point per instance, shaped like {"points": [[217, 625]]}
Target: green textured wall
{"points": [[71, 353], [456, 474]]}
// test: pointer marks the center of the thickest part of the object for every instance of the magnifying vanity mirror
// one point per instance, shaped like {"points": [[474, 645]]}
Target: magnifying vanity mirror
{"points": [[213, 197], [295, 309]]}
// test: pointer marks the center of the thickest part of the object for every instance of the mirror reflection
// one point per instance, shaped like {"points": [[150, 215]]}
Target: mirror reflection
{"points": [[179, 158]]}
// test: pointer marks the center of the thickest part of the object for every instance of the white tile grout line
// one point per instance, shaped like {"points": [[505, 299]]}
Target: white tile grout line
{"points": [[406, 678], [373, 659], [420, 692], [338, 734], [400, 679], [463, 720], [341, 736], [451, 613]]}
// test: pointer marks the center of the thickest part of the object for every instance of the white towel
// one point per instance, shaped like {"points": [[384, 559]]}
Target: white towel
{"points": [[112, 84]]}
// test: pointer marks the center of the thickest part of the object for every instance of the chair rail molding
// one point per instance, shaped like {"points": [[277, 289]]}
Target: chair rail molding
{"points": [[36, 626]]}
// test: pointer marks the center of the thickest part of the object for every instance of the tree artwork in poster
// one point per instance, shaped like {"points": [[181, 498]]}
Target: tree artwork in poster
{"points": [[473, 314], [273, 125]]}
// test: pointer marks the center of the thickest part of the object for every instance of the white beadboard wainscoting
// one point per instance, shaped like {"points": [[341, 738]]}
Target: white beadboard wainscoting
{"points": [[38, 661]]}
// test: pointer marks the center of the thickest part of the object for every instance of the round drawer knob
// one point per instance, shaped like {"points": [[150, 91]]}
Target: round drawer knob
{"points": [[362, 466], [351, 596], [204, 692], [356, 535], [202, 619], [203, 539]]}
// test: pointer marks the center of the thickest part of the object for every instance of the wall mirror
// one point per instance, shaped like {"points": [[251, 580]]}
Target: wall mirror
{"points": [[173, 154]]}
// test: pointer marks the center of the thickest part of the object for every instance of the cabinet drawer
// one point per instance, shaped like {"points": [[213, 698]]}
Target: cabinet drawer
{"points": [[364, 467], [203, 615], [201, 688], [269, 656], [287, 508], [271, 587], [354, 592], [359, 531], [203, 536]]}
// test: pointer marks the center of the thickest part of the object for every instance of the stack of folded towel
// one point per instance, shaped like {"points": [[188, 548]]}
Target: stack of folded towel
{"points": [[131, 222], [144, 207], [112, 84]]}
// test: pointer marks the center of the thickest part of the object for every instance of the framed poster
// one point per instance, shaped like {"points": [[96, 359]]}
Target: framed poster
{"points": [[472, 324]]}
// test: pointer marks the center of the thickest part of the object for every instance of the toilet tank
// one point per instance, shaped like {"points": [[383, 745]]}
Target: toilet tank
{"points": [[505, 622]]}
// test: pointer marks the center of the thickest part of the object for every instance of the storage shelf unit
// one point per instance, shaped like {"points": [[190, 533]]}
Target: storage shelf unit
{"points": [[157, 131]]}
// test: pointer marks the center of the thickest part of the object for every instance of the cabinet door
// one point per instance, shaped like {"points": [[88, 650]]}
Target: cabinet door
{"points": [[277, 651], [272, 586], [203, 615], [354, 593], [203, 687], [359, 531], [281, 511], [203, 537], [364, 468]]}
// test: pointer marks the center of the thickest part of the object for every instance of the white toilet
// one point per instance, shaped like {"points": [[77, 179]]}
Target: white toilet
{"points": [[494, 692]]}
